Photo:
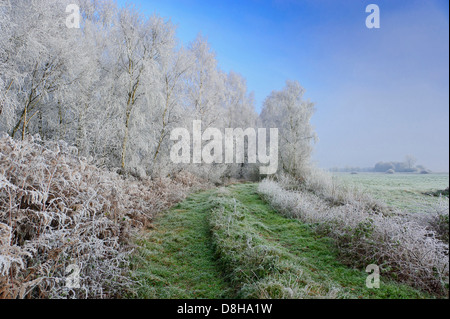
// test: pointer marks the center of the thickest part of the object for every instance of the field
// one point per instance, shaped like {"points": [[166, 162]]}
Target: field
{"points": [[402, 190]]}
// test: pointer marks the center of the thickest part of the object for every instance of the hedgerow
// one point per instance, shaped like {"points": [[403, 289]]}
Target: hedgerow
{"points": [[398, 243]]}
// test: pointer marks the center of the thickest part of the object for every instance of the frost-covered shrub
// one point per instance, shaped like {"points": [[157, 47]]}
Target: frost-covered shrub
{"points": [[56, 210], [438, 219], [400, 245]]}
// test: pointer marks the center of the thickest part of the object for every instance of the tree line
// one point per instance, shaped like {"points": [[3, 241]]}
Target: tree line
{"points": [[117, 86]]}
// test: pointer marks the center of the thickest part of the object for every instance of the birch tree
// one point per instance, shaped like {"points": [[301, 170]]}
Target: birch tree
{"points": [[141, 43], [291, 114], [205, 86], [35, 56], [239, 112], [174, 68]]}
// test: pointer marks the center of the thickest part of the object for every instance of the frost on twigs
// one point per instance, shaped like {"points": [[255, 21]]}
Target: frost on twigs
{"points": [[56, 210]]}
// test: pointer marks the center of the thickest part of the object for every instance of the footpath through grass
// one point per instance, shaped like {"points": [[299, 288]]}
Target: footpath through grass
{"points": [[228, 243], [176, 259]]}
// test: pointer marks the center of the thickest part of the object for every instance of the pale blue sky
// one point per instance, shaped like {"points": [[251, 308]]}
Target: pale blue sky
{"points": [[380, 93]]}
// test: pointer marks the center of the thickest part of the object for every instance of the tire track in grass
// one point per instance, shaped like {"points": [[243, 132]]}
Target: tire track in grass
{"points": [[176, 259]]}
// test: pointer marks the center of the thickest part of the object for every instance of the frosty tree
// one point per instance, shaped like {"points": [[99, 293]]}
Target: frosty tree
{"points": [[116, 87], [291, 114]]}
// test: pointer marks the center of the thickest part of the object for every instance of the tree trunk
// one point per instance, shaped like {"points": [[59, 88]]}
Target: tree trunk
{"points": [[125, 138]]}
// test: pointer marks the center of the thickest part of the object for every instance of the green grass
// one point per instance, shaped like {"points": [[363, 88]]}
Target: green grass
{"points": [[202, 248], [401, 190], [176, 259]]}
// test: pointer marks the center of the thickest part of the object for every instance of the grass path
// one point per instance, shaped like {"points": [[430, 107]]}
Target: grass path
{"points": [[176, 259], [189, 255]]}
